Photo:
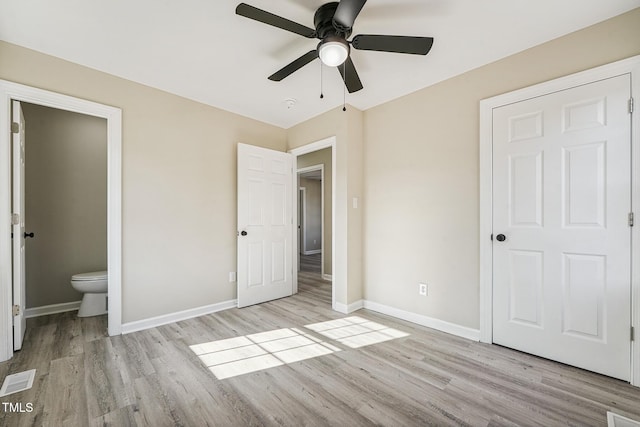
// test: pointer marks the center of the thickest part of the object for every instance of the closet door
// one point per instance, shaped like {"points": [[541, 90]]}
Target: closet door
{"points": [[561, 248]]}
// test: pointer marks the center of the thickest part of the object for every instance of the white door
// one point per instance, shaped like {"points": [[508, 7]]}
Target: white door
{"points": [[265, 221], [18, 231], [561, 243]]}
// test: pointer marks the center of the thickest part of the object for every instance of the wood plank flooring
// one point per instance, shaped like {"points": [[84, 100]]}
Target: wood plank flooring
{"points": [[152, 378], [311, 263]]}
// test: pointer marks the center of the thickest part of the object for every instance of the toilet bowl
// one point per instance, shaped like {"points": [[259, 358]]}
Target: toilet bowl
{"points": [[94, 287]]}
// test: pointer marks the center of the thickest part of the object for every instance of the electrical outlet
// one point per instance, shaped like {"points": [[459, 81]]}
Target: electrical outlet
{"points": [[422, 289], [232, 276]]}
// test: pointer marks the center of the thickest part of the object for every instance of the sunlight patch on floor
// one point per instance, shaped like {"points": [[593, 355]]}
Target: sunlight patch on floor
{"points": [[241, 355], [356, 332], [250, 353]]}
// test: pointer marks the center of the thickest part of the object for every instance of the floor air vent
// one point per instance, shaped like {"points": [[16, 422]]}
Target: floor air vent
{"points": [[17, 382], [615, 420]]}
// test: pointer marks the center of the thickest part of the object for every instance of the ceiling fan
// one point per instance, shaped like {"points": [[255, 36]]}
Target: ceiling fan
{"points": [[333, 25]]}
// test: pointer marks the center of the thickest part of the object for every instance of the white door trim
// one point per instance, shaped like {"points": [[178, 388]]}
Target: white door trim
{"points": [[626, 66], [320, 168], [14, 91], [303, 207], [310, 148]]}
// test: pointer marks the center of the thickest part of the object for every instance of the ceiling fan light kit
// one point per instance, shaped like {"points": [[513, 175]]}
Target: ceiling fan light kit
{"points": [[333, 26], [333, 51]]}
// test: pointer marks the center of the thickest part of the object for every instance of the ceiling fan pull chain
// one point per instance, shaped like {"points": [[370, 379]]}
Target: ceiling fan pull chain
{"points": [[321, 81], [344, 87]]}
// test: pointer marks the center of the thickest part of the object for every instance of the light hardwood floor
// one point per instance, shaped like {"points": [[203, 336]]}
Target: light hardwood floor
{"points": [[152, 378]]}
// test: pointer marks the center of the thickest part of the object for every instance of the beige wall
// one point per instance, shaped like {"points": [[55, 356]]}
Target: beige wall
{"points": [[179, 183], [65, 201], [421, 172], [323, 157]]}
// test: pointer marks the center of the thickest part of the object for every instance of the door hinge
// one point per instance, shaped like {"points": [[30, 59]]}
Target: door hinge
{"points": [[633, 335], [630, 105], [16, 310], [15, 127], [15, 219], [630, 219]]}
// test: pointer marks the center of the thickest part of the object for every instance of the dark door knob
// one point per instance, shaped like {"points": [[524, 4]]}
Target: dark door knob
{"points": [[243, 233], [501, 237], [28, 234]]}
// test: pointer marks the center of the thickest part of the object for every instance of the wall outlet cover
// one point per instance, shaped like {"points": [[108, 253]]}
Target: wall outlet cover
{"points": [[422, 289]]}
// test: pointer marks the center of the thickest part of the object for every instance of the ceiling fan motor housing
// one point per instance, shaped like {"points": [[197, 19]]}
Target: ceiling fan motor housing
{"points": [[323, 21]]}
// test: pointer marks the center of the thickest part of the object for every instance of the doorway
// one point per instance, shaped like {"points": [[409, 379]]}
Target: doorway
{"points": [[311, 217], [65, 205], [316, 218], [9, 92], [268, 218]]}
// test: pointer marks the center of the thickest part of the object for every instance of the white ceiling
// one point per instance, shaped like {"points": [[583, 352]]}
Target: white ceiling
{"points": [[203, 51]]}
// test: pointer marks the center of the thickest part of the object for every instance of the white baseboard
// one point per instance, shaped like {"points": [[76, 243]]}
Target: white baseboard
{"points": [[327, 277], [346, 309], [139, 325], [312, 252], [429, 322], [51, 309], [152, 322]]}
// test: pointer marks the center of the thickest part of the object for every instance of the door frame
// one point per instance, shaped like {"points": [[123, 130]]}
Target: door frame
{"points": [[626, 66], [14, 91], [305, 149], [302, 210]]}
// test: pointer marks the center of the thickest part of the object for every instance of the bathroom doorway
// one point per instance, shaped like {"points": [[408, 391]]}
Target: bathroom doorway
{"points": [[65, 205], [10, 92]]}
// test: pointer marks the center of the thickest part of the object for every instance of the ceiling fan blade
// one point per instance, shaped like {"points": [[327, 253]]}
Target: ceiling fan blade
{"points": [[346, 13], [397, 44], [350, 76], [294, 66], [263, 16]]}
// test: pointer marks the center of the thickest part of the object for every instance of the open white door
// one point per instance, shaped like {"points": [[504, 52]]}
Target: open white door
{"points": [[18, 141], [265, 218]]}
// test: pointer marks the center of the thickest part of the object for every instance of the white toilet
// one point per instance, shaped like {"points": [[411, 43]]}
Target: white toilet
{"points": [[94, 287]]}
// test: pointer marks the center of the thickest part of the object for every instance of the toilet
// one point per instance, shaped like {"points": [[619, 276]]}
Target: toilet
{"points": [[94, 287]]}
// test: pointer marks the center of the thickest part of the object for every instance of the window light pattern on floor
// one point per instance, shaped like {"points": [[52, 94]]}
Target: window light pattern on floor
{"points": [[249, 353], [241, 355], [356, 332]]}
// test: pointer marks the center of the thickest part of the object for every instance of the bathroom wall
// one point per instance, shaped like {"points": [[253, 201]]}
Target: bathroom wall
{"points": [[323, 157], [313, 210], [66, 201]]}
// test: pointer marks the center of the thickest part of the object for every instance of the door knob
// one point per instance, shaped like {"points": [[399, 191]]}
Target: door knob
{"points": [[243, 233], [28, 234], [501, 237]]}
